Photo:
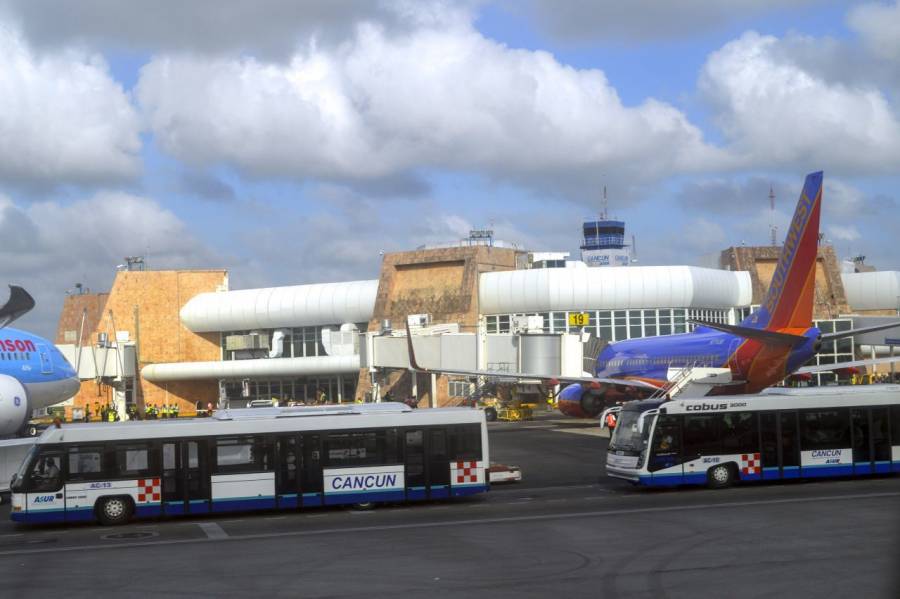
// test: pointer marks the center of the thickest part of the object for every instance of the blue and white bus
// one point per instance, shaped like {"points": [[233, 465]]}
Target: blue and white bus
{"points": [[251, 459], [781, 434]]}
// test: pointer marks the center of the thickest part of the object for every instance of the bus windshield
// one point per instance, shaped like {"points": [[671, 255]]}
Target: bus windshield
{"points": [[19, 476], [626, 436]]}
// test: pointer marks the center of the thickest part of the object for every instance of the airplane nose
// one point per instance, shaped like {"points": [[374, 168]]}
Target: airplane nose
{"points": [[71, 386]]}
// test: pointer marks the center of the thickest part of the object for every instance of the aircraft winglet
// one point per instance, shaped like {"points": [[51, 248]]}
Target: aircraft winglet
{"points": [[19, 303]]}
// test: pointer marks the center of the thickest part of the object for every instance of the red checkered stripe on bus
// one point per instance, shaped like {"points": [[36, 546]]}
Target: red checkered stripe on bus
{"points": [[149, 489]]}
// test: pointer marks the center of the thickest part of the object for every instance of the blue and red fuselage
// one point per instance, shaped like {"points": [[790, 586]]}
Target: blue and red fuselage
{"points": [[649, 361]]}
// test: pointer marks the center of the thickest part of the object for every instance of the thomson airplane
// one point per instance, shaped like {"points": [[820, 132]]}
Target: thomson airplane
{"points": [[33, 373], [769, 345]]}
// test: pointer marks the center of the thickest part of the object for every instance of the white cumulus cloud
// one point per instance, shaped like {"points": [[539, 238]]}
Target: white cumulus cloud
{"points": [[775, 113], [879, 27], [443, 97], [50, 246], [62, 117]]}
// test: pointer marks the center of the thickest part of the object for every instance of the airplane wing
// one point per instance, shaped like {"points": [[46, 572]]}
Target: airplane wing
{"points": [[498, 374], [852, 332], [853, 364], [19, 303]]}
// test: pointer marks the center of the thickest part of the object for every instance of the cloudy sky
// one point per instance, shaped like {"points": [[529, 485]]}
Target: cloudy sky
{"points": [[291, 141]]}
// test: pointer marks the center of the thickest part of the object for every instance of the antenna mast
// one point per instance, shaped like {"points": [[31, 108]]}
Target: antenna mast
{"points": [[772, 228], [605, 204]]}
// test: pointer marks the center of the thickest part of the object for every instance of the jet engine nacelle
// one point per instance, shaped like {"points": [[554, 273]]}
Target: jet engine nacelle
{"points": [[580, 401], [14, 410]]}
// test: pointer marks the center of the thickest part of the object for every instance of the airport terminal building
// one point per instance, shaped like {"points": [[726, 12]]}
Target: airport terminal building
{"points": [[184, 338]]}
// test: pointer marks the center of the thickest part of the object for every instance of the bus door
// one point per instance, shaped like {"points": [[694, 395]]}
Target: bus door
{"points": [[861, 441], [665, 461], [438, 464], [768, 436], [195, 459], [289, 464], [172, 480], [414, 460], [311, 470], [789, 450], [45, 499], [881, 441]]}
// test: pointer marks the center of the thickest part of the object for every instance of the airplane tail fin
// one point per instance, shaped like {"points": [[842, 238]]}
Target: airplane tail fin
{"points": [[789, 301]]}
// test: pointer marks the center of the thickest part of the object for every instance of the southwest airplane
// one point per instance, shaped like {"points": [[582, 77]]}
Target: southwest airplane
{"points": [[33, 373], [769, 345]]}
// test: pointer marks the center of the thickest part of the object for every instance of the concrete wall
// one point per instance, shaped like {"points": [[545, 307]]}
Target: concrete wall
{"points": [[86, 309], [830, 299], [145, 305], [442, 282]]}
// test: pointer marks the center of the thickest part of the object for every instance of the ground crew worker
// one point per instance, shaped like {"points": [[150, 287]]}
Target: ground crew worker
{"points": [[611, 421], [175, 410], [110, 415]]}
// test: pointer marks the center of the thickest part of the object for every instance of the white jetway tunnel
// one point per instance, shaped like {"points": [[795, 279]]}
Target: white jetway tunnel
{"points": [[540, 354]]}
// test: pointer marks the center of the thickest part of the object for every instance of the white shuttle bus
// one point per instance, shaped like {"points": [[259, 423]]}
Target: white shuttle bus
{"points": [[251, 459], [781, 434]]}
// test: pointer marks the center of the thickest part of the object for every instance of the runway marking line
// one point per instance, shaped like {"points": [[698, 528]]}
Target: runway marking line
{"points": [[213, 530], [219, 535]]}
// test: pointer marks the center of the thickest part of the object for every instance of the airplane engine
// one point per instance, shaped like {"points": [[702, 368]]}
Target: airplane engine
{"points": [[580, 401], [14, 410]]}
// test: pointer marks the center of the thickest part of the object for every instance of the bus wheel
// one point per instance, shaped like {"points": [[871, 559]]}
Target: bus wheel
{"points": [[364, 505], [114, 510], [720, 477], [490, 414]]}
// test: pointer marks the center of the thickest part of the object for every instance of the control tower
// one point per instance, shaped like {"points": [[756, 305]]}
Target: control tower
{"points": [[603, 241]]}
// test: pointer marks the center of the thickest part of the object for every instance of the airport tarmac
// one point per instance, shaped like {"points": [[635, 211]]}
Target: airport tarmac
{"points": [[564, 531]]}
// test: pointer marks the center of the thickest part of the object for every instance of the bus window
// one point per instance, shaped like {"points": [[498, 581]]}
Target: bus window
{"points": [[739, 433], [825, 429], [666, 448], [439, 462], [701, 435], [769, 435], [351, 449], [311, 477], [289, 464], [391, 451], [132, 460], [465, 442], [415, 458], [240, 454], [790, 446], [880, 439], [47, 474], [85, 463], [172, 481], [860, 421], [895, 425]]}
